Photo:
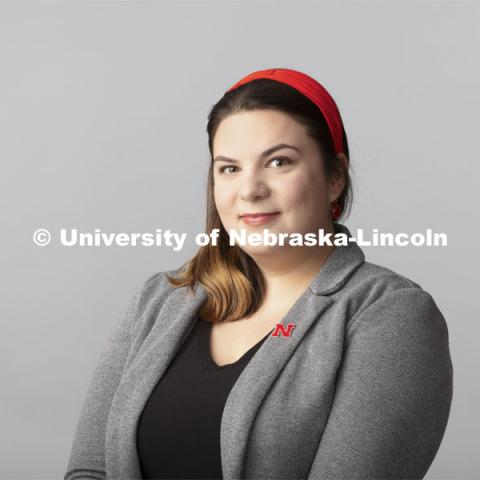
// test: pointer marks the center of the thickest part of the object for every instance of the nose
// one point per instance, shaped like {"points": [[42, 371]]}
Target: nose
{"points": [[253, 189]]}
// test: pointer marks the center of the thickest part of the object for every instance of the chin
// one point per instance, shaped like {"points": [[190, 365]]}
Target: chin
{"points": [[263, 251]]}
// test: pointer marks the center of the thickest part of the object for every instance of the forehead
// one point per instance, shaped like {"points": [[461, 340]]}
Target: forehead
{"points": [[251, 131]]}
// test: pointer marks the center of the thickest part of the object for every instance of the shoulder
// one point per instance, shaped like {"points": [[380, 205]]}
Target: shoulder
{"points": [[382, 299], [376, 278], [391, 307], [156, 283], [150, 295]]}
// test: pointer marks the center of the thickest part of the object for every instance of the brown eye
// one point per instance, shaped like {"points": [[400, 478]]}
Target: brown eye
{"points": [[222, 169], [285, 160]]}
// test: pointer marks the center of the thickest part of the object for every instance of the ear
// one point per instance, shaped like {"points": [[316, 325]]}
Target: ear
{"points": [[337, 183]]}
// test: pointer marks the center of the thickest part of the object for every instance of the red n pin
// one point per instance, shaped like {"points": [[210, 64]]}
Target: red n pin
{"points": [[285, 331]]}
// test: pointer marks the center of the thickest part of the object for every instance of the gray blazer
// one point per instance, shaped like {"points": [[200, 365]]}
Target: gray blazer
{"points": [[361, 389]]}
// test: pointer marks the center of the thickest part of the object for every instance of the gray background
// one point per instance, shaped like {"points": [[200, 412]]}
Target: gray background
{"points": [[103, 111]]}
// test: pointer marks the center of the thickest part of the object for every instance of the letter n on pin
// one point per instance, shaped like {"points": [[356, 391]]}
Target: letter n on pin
{"points": [[285, 331]]}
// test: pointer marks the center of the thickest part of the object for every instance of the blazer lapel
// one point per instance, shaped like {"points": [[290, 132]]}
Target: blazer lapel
{"points": [[171, 327], [256, 379]]}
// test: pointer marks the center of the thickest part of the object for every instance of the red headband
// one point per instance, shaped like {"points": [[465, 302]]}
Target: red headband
{"points": [[312, 90]]}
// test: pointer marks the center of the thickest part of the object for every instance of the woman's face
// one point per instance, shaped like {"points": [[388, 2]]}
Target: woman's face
{"points": [[263, 177]]}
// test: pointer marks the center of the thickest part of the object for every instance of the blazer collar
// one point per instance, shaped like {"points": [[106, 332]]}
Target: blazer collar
{"points": [[338, 267]]}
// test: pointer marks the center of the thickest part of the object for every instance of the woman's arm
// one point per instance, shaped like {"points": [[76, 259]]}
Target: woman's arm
{"points": [[87, 457], [393, 392]]}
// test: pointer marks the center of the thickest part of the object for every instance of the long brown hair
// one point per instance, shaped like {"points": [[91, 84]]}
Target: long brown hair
{"points": [[233, 281]]}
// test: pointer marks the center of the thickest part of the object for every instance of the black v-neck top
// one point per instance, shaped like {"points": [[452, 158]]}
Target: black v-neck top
{"points": [[178, 433]]}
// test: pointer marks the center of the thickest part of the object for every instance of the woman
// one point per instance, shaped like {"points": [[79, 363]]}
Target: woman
{"points": [[257, 361]]}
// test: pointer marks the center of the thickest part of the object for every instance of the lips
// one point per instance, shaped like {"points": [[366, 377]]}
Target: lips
{"points": [[259, 218]]}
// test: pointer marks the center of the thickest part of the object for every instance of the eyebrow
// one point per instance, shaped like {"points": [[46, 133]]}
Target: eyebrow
{"points": [[266, 153]]}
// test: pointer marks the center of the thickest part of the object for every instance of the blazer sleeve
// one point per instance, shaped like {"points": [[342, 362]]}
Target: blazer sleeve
{"points": [[87, 457], [393, 392]]}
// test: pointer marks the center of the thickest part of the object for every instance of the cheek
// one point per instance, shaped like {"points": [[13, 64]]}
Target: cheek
{"points": [[223, 199], [305, 201], [304, 192]]}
